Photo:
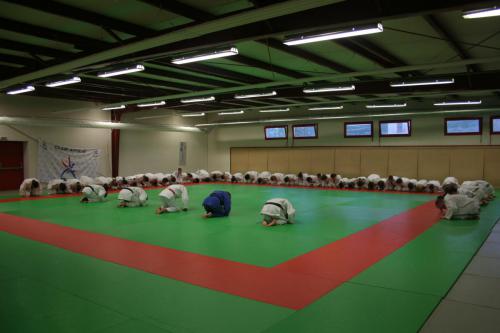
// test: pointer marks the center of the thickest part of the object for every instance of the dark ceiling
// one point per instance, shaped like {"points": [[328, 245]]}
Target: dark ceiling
{"points": [[41, 35]]}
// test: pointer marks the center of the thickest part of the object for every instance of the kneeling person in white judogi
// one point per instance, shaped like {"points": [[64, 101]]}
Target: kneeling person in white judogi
{"points": [[94, 193], [30, 187], [458, 207], [132, 197], [169, 198], [276, 212]]}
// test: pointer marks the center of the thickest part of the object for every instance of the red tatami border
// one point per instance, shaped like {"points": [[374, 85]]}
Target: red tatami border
{"points": [[293, 284]]}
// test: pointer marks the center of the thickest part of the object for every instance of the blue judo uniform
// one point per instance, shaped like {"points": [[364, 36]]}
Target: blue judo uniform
{"points": [[218, 203]]}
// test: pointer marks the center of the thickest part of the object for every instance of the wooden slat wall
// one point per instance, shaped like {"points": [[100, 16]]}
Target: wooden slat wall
{"points": [[464, 162]]}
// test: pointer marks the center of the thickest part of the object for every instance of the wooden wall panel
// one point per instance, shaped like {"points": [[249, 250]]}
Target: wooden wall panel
{"points": [[492, 166], [298, 160], [239, 160], [374, 161], [348, 162], [257, 159], [433, 163], [321, 160], [278, 160], [403, 162], [467, 163]]}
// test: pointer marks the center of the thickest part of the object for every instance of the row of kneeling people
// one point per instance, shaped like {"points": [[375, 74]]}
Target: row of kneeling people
{"points": [[32, 186], [175, 198], [464, 201]]}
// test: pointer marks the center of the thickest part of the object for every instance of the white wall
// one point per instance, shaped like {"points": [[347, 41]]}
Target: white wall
{"points": [[426, 131], [158, 151], [140, 150], [26, 106]]}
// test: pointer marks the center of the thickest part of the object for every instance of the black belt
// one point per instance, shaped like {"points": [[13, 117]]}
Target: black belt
{"points": [[91, 189], [280, 206]]}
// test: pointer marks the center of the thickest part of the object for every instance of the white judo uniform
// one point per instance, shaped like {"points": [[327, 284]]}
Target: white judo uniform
{"points": [[217, 175], [227, 176], [459, 206], [26, 190], [203, 174], [84, 180], [94, 193], [169, 198], [278, 209], [133, 196], [277, 178], [251, 175], [450, 180], [436, 184], [421, 185], [53, 186], [238, 177], [264, 176], [292, 179]]}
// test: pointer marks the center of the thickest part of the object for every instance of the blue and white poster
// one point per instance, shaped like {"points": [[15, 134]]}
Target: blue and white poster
{"points": [[56, 161]]}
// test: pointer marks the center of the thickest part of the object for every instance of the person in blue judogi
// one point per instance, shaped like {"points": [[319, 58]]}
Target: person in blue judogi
{"points": [[217, 204]]}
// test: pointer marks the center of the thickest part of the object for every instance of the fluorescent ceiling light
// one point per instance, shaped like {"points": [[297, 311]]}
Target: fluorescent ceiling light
{"points": [[327, 89], [422, 83], [201, 114], [264, 94], [275, 110], [357, 116], [338, 107], [114, 107], [75, 79], [127, 70], [230, 113], [210, 55], [21, 90], [479, 13], [376, 106], [349, 32], [458, 103], [198, 99], [145, 105]]}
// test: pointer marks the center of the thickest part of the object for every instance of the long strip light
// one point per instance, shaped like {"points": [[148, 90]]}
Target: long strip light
{"points": [[200, 114], [127, 70], [113, 107], [263, 94], [452, 103], [356, 116], [348, 32], [205, 56], [198, 99], [327, 89], [54, 84], [377, 106], [275, 110], [338, 107], [422, 83], [230, 113], [21, 90], [145, 105], [480, 13]]}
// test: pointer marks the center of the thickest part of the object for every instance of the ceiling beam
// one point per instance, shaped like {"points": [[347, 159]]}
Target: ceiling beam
{"points": [[345, 13], [181, 9], [214, 71], [306, 55], [31, 48], [266, 66], [373, 52], [186, 77], [444, 33], [80, 42], [61, 9], [203, 29], [14, 59]]}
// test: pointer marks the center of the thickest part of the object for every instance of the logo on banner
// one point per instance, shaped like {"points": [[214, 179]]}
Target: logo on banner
{"points": [[69, 167]]}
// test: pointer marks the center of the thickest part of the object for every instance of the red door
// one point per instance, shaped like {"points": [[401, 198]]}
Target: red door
{"points": [[11, 165]]}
